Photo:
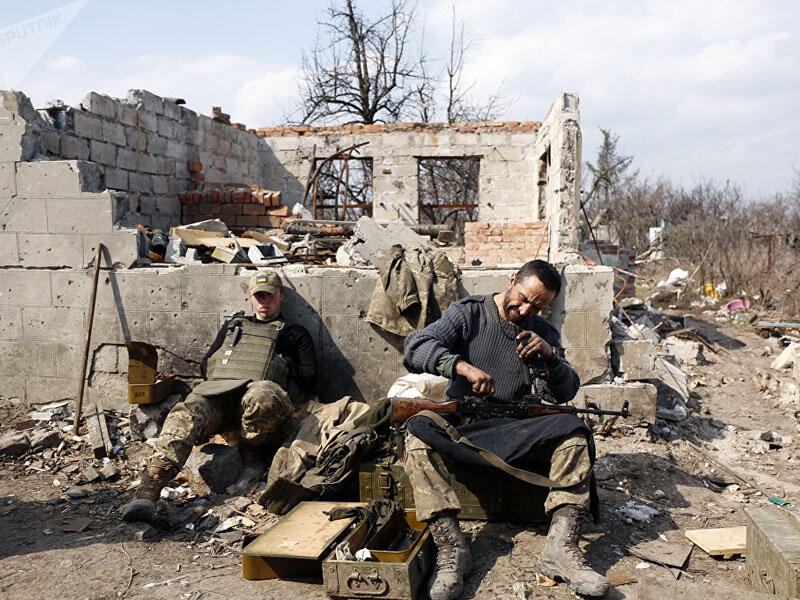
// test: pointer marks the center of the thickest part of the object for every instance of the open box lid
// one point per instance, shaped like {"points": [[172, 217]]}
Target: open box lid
{"points": [[142, 362]]}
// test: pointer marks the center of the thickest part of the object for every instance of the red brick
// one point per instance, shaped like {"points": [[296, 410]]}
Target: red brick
{"points": [[195, 166]]}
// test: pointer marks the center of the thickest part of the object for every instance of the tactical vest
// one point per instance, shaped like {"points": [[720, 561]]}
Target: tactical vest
{"points": [[249, 353]]}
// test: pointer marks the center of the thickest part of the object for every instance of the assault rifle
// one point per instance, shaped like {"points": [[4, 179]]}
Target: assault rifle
{"points": [[531, 405], [487, 408]]}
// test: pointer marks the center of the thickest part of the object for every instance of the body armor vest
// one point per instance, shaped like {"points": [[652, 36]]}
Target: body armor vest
{"points": [[249, 353]]}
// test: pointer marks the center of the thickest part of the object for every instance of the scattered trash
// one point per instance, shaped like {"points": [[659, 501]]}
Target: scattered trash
{"points": [[778, 501]]}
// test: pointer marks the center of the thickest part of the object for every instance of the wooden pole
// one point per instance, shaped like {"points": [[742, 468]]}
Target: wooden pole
{"points": [[87, 337]]}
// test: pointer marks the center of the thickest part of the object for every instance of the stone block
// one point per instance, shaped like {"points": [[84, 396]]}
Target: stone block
{"points": [[165, 127], [27, 358], [587, 288], [43, 390], [219, 465], [197, 329], [773, 550], [74, 147], [87, 125], [585, 329], [105, 154], [8, 179], [136, 139], [44, 323], [51, 141], [128, 159], [172, 110], [686, 352], [122, 248], [19, 139], [146, 419], [347, 291], [674, 380], [51, 250], [14, 443], [119, 325], [100, 104], [147, 100], [10, 322], [90, 213], [23, 287], [57, 178], [114, 133], [116, 179], [69, 357], [641, 399], [24, 215], [634, 360], [156, 144], [591, 364]]}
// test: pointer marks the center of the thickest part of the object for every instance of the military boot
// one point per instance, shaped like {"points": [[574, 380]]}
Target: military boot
{"points": [[453, 558], [563, 558], [157, 474]]}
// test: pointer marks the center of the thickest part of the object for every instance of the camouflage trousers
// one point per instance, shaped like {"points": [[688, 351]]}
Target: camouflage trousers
{"points": [[430, 480], [252, 414]]}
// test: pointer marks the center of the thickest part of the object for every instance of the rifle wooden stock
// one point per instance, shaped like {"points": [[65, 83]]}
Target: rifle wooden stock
{"points": [[405, 408]]}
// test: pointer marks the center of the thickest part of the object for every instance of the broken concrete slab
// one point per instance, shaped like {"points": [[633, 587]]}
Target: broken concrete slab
{"points": [[14, 443], [686, 352], [634, 360], [146, 419], [219, 465], [773, 550], [369, 238], [672, 377], [786, 358]]}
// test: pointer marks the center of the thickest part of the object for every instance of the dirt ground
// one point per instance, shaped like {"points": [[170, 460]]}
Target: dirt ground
{"points": [[62, 537]]}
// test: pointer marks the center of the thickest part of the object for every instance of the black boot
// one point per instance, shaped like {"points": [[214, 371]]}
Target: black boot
{"points": [[143, 507], [563, 558], [453, 558]]}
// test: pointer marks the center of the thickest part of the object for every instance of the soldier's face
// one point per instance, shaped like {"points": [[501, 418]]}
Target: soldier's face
{"points": [[266, 306], [526, 298]]}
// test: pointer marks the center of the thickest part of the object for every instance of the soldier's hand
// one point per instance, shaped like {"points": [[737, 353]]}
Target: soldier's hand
{"points": [[530, 344], [482, 382]]}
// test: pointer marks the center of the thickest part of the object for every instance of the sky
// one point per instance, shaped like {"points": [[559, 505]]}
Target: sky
{"points": [[696, 91]]}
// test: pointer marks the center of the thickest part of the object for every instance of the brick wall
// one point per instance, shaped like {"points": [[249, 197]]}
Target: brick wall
{"points": [[506, 243]]}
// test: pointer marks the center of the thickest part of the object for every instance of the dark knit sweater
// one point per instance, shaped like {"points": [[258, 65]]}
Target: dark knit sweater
{"points": [[473, 329]]}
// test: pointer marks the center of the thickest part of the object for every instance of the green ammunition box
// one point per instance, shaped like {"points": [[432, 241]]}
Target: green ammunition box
{"points": [[397, 569], [494, 496]]}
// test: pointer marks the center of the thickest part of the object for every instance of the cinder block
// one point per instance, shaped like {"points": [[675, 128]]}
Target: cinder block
{"points": [[24, 287], [585, 329], [47, 324], [26, 358], [74, 147], [51, 250], [120, 324], [122, 248], [588, 288], [18, 139], [164, 325], [9, 255], [114, 133], [87, 125], [136, 139], [51, 141], [148, 100], [24, 215], [91, 213], [69, 357], [105, 154], [686, 351], [591, 364], [773, 550], [100, 104], [641, 399], [156, 145], [634, 360], [116, 179], [43, 390], [57, 178], [8, 181], [10, 322]]}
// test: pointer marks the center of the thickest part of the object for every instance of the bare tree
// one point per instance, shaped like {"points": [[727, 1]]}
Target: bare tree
{"points": [[362, 71]]}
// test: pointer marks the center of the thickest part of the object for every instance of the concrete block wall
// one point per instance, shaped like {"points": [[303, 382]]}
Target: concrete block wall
{"points": [[141, 145], [43, 315], [507, 186]]}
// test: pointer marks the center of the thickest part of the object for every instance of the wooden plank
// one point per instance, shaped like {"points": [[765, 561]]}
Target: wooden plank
{"points": [[722, 541], [305, 532], [98, 432]]}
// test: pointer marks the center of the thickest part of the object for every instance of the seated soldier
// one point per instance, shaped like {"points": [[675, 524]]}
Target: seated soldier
{"points": [[250, 369], [478, 344]]}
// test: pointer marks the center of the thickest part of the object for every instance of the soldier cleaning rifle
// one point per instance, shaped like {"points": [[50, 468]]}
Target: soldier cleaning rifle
{"points": [[478, 344]]}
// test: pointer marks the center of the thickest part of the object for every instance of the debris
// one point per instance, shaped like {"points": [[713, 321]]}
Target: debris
{"points": [[786, 358], [720, 541], [98, 432], [663, 552], [772, 559], [634, 511], [778, 501]]}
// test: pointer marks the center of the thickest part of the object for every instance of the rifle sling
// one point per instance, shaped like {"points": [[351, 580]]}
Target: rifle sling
{"points": [[493, 459]]}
